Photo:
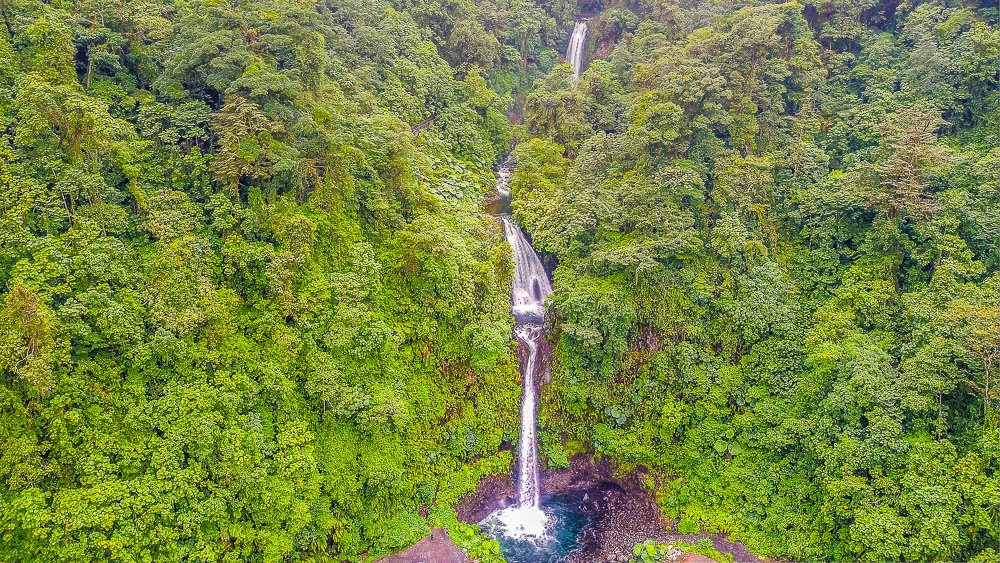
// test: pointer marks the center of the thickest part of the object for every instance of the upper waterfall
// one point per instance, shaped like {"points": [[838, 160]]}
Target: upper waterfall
{"points": [[577, 48]]}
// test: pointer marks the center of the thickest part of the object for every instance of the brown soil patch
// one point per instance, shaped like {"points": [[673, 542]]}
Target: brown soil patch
{"points": [[435, 548]]}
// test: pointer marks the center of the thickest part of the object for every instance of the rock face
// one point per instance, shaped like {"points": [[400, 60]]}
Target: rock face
{"points": [[435, 548], [626, 516]]}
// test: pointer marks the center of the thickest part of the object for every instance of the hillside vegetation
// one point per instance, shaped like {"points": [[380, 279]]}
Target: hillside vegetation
{"points": [[251, 307], [245, 312], [777, 228]]}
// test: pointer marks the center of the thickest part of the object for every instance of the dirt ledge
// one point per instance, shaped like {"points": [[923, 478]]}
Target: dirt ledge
{"points": [[438, 547]]}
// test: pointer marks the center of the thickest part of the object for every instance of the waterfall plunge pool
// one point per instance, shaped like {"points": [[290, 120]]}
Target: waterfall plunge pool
{"points": [[547, 535]]}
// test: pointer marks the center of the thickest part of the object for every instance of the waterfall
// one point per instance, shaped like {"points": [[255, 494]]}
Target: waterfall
{"points": [[531, 283], [530, 289], [577, 48], [504, 173], [528, 481]]}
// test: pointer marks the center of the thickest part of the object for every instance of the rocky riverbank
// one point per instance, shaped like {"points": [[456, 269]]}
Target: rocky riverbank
{"points": [[623, 512]]}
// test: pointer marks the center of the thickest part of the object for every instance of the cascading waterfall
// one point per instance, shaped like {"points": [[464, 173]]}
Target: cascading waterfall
{"points": [[531, 283], [577, 48], [504, 173], [530, 289]]}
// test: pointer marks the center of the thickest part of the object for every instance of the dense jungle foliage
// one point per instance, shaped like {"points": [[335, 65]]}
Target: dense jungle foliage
{"points": [[251, 309], [777, 229], [247, 312]]}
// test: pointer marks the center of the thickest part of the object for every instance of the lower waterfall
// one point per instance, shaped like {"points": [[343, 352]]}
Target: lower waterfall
{"points": [[532, 527]]}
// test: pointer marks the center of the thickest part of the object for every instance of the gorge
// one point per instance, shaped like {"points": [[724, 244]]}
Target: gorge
{"points": [[526, 520], [531, 288]]}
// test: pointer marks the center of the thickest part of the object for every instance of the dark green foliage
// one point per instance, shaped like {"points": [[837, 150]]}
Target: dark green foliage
{"points": [[246, 313], [250, 308], [776, 235]]}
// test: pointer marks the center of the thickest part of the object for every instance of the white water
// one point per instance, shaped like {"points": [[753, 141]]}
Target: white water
{"points": [[577, 48], [521, 523], [504, 172], [527, 454], [531, 283], [530, 289]]}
